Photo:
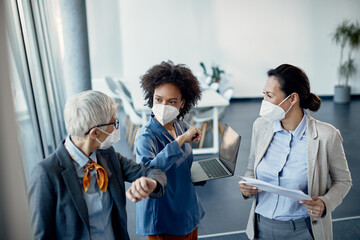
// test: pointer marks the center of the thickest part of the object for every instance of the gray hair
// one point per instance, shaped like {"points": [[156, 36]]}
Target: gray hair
{"points": [[85, 110]]}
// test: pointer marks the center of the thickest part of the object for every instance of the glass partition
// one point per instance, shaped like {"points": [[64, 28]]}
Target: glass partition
{"points": [[36, 78]]}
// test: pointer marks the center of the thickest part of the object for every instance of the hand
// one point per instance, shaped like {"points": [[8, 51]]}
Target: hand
{"points": [[248, 190], [191, 135], [140, 189], [315, 207]]}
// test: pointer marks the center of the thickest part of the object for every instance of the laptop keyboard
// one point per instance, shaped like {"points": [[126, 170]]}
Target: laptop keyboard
{"points": [[212, 168]]}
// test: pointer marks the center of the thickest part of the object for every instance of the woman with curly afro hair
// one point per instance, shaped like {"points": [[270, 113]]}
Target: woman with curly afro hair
{"points": [[165, 142]]}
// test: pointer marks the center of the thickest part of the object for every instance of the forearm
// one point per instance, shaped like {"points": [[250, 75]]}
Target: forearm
{"points": [[336, 194], [339, 174], [162, 160], [250, 169], [180, 140], [158, 191], [161, 180]]}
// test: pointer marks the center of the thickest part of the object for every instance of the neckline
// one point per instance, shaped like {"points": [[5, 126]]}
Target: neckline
{"points": [[161, 127]]}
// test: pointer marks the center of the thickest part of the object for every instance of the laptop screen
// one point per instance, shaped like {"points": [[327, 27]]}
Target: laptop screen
{"points": [[229, 147]]}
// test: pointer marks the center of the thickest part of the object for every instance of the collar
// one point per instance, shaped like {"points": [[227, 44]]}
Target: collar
{"points": [[298, 132], [155, 124], [79, 157]]}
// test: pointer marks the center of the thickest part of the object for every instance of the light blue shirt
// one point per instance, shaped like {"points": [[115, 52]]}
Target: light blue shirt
{"points": [[284, 164], [99, 204], [179, 211]]}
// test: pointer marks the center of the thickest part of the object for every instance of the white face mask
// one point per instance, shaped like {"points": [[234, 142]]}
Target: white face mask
{"points": [[111, 139], [165, 113], [272, 112]]}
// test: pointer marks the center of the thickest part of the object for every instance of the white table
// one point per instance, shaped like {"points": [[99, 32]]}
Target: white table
{"points": [[210, 98]]}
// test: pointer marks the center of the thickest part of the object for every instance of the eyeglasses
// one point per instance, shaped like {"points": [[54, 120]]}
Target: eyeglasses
{"points": [[116, 125]]}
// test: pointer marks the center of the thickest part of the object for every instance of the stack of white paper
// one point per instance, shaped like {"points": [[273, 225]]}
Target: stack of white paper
{"points": [[267, 187]]}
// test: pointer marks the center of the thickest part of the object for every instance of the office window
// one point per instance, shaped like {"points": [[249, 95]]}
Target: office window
{"points": [[36, 79]]}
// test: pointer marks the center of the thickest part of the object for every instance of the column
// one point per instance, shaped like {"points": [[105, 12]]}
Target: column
{"points": [[76, 64]]}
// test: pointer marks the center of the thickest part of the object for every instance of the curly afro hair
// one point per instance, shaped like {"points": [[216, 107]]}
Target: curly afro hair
{"points": [[179, 75]]}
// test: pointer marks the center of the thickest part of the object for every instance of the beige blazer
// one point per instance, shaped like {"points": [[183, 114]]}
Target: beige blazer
{"points": [[326, 158]]}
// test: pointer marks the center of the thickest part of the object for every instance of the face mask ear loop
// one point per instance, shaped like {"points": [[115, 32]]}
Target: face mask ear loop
{"points": [[98, 140], [288, 109], [103, 131], [284, 100], [290, 105]]}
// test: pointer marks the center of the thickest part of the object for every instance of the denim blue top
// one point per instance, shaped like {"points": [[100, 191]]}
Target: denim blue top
{"points": [[179, 211], [99, 204], [284, 164]]}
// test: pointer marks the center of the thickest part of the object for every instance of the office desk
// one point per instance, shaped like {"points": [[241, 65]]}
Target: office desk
{"points": [[210, 98]]}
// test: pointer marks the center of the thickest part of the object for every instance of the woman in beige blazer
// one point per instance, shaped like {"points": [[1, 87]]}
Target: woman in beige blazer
{"points": [[291, 149]]}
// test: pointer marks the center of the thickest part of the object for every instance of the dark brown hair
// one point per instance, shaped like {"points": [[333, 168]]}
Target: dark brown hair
{"points": [[179, 75], [293, 79]]}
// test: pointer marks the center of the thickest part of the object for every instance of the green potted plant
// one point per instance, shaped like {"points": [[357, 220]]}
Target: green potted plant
{"points": [[216, 73], [347, 34]]}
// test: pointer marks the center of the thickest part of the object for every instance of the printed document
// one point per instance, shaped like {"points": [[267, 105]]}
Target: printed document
{"points": [[267, 187]]}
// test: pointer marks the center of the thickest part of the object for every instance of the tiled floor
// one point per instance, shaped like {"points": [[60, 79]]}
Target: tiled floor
{"points": [[227, 212]]}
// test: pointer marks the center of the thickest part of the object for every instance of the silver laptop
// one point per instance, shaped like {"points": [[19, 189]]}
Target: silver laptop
{"points": [[222, 166]]}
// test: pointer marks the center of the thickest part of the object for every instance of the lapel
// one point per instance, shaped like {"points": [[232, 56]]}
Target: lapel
{"points": [[71, 179], [105, 160], [264, 142], [312, 151]]}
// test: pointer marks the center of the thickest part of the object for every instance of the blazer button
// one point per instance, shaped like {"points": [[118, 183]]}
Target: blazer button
{"points": [[315, 222]]}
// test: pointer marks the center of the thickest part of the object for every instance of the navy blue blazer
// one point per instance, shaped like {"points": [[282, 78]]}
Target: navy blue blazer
{"points": [[58, 209]]}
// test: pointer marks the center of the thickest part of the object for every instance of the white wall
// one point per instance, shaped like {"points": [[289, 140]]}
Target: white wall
{"points": [[246, 38], [104, 37]]}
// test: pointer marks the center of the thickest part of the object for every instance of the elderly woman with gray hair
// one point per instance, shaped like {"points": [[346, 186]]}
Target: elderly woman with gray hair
{"points": [[78, 192]]}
